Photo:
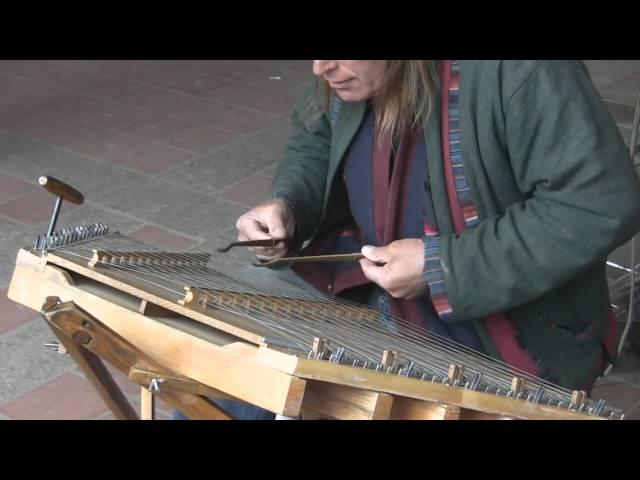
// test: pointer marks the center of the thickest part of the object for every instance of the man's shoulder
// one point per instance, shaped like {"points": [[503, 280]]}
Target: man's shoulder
{"points": [[510, 75]]}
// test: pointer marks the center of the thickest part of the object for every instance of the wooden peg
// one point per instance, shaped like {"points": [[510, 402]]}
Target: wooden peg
{"points": [[578, 397], [194, 297], [517, 386], [455, 373], [389, 359], [319, 348], [98, 256]]}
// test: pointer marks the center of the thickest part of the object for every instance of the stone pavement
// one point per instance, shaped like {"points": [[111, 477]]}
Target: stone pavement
{"points": [[169, 152]]}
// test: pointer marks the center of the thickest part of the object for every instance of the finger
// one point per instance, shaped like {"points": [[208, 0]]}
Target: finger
{"points": [[380, 255], [270, 255], [252, 229], [373, 272], [278, 232], [276, 225], [269, 251]]}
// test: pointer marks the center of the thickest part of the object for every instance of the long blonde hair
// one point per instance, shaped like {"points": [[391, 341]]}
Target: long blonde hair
{"points": [[404, 100]]}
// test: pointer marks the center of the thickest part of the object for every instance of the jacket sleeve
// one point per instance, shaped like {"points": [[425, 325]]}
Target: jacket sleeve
{"points": [[301, 176], [582, 198]]}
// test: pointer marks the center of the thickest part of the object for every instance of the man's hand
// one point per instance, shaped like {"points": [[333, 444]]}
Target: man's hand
{"points": [[270, 219], [402, 265]]}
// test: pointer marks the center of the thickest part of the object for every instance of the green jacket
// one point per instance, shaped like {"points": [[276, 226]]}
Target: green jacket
{"points": [[555, 191]]}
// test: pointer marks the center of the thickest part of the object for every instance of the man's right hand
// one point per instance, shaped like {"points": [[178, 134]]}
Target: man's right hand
{"points": [[271, 219]]}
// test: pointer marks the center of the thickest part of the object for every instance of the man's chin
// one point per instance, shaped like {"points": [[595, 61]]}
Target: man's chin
{"points": [[348, 96]]}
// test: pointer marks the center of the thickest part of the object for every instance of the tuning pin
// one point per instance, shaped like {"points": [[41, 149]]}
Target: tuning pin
{"points": [[473, 385], [600, 407], [406, 371], [336, 356], [56, 347]]}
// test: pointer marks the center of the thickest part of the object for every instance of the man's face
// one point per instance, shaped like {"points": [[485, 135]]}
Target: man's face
{"points": [[352, 80]]}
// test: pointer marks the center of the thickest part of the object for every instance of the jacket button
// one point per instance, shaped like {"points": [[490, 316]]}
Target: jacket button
{"points": [[329, 288]]}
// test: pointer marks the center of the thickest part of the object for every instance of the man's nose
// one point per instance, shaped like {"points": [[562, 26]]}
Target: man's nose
{"points": [[320, 67]]}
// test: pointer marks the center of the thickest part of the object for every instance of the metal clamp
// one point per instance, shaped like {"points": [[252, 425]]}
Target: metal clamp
{"points": [[154, 385]]}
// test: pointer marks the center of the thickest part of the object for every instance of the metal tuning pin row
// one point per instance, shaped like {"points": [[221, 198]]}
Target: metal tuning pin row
{"points": [[320, 350], [474, 384], [518, 389], [68, 236], [338, 355]]}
